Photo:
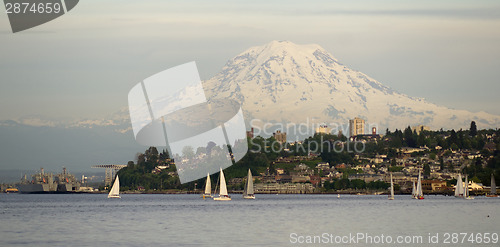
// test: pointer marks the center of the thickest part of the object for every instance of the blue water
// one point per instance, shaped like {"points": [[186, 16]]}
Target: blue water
{"points": [[270, 220]]}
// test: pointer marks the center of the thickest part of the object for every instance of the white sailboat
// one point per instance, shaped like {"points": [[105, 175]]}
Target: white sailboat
{"points": [[115, 190], [391, 196], [419, 192], [248, 192], [208, 188], [459, 188], [493, 190], [223, 196], [466, 191], [414, 192]]}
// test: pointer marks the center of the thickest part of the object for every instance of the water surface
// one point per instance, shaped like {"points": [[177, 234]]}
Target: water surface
{"points": [[270, 220]]}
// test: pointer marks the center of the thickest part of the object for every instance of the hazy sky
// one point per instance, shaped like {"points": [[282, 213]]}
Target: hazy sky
{"points": [[83, 64]]}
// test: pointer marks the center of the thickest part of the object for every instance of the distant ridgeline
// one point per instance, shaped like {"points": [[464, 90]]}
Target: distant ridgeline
{"points": [[330, 163]]}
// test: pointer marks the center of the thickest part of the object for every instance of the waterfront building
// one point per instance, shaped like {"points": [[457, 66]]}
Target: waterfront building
{"points": [[434, 185], [287, 188]]}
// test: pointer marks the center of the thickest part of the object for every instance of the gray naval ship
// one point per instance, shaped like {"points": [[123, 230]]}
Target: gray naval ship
{"points": [[48, 183]]}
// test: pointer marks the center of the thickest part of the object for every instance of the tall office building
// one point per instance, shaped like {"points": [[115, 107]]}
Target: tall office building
{"points": [[356, 127], [280, 136]]}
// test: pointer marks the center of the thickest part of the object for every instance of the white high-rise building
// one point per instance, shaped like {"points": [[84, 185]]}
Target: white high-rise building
{"points": [[323, 129], [356, 127]]}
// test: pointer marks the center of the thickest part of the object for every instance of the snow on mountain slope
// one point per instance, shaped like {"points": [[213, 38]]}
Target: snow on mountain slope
{"points": [[282, 82]]}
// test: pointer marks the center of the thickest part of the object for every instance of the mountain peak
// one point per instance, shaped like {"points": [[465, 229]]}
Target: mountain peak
{"points": [[280, 61], [288, 45], [283, 82], [286, 48]]}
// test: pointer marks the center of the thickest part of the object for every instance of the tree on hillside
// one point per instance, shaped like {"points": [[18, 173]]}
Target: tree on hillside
{"points": [[473, 129], [427, 170], [453, 139], [408, 137]]}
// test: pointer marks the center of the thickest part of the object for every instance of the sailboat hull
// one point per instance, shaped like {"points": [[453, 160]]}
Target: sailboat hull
{"points": [[248, 197], [114, 196], [222, 198]]}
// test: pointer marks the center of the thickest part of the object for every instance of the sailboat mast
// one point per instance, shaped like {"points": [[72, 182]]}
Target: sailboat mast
{"points": [[493, 185], [392, 186], [216, 184], [414, 190], [466, 189], [391, 197]]}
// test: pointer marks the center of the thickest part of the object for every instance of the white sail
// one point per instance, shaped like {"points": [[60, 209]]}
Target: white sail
{"points": [[250, 183], [223, 188], [248, 193], [414, 191], [420, 194], [208, 185], [115, 190], [419, 185], [223, 196], [459, 189], [391, 197], [466, 189], [493, 185]]}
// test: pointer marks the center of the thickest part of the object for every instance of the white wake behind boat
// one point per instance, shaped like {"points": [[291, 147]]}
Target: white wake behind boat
{"points": [[115, 190], [223, 196], [248, 192]]}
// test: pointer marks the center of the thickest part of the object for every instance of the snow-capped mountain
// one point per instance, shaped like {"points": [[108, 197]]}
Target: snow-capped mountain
{"points": [[282, 82]]}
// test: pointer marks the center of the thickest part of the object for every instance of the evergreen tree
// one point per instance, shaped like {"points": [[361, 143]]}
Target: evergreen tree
{"points": [[473, 129], [461, 139], [408, 137], [427, 170], [421, 141], [453, 139]]}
